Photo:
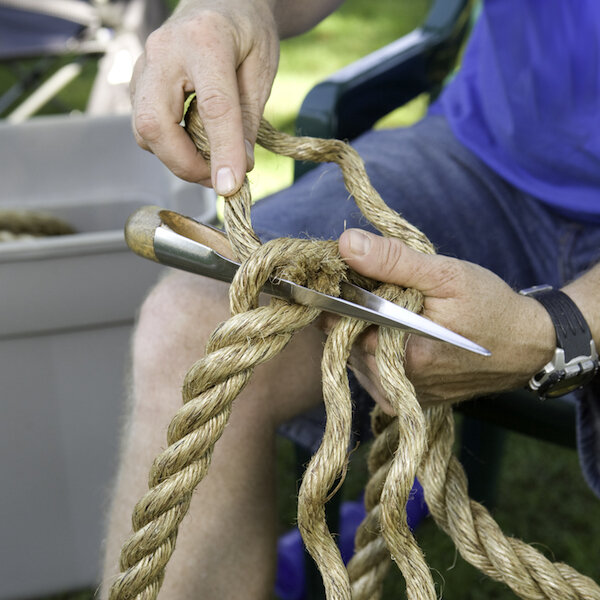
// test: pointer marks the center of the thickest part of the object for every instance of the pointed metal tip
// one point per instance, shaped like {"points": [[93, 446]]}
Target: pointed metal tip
{"points": [[468, 344], [462, 342], [483, 351]]}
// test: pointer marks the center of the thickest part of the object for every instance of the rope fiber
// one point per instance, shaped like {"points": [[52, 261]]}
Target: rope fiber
{"points": [[415, 442]]}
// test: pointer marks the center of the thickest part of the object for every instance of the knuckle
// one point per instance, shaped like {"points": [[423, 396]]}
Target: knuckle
{"points": [[390, 255], [147, 126], [181, 171], [213, 105], [138, 138], [140, 141], [251, 118], [207, 28], [191, 172], [451, 274], [210, 18], [157, 42]]}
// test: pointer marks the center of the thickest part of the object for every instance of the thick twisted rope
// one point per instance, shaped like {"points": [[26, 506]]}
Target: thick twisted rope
{"points": [[413, 442], [28, 224]]}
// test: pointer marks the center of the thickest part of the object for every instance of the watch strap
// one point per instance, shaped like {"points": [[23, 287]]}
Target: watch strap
{"points": [[575, 359], [573, 334]]}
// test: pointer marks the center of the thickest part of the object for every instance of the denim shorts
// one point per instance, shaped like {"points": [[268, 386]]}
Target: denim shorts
{"points": [[465, 209]]}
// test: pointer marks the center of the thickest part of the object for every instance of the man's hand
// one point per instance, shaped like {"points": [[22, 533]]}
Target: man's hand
{"points": [[227, 52], [465, 298]]}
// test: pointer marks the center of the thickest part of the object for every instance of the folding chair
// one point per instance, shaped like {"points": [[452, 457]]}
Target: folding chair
{"points": [[46, 43]]}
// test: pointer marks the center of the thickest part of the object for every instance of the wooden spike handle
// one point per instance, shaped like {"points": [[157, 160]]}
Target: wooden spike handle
{"points": [[142, 224], [204, 234], [139, 231]]}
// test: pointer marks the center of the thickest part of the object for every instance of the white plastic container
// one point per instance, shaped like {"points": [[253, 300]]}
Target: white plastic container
{"points": [[67, 306]]}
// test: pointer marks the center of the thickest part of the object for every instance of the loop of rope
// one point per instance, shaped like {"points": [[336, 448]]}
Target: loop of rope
{"points": [[415, 442]]}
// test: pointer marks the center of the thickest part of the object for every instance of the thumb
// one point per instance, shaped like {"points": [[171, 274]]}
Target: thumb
{"points": [[391, 261]]}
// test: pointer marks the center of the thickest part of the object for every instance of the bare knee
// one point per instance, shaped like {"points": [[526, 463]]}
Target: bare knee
{"points": [[176, 319], [175, 323]]}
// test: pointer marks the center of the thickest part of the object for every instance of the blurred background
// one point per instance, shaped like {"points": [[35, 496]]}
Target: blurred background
{"points": [[542, 497]]}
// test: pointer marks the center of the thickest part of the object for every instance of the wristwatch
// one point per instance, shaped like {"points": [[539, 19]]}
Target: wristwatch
{"points": [[575, 360]]}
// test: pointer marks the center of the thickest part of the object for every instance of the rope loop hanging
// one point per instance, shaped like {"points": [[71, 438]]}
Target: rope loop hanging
{"points": [[416, 442]]}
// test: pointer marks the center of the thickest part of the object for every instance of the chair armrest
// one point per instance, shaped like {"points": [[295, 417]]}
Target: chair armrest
{"points": [[551, 420]]}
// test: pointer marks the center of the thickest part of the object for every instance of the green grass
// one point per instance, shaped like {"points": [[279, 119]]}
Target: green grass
{"points": [[542, 497], [542, 500]]}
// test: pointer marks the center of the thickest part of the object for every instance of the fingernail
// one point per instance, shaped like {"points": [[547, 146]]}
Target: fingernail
{"points": [[360, 242], [225, 183], [249, 155]]}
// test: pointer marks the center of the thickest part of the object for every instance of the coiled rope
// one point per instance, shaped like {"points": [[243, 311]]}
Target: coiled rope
{"points": [[415, 442], [18, 225]]}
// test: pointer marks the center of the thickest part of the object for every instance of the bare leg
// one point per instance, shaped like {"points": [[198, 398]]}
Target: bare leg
{"points": [[226, 544]]}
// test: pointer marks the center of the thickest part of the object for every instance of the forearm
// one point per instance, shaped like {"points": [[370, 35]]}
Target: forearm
{"points": [[292, 17], [585, 292]]}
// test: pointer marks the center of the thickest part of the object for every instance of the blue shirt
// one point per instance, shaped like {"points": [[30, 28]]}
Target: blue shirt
{"points": [[527, 99]]}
